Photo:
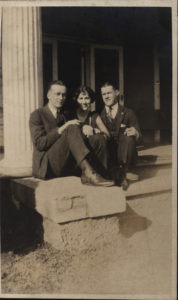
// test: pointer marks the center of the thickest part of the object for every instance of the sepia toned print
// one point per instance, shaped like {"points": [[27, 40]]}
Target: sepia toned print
{"points": [[88, 153]]}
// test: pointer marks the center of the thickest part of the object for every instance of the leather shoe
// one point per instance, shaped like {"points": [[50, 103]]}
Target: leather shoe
{"points": [[124, 184], [118, 174], [90, 177]]}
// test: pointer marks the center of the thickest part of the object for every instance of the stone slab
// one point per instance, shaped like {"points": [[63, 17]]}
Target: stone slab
{"points": [[66, 199], [105, 201]]}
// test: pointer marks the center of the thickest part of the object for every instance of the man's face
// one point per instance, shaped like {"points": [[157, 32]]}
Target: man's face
{"points": [[109, 95], [57, 95]]}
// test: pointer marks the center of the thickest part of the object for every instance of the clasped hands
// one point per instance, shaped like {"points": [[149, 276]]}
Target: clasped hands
{"points": [[89, 130], [86, 129]]}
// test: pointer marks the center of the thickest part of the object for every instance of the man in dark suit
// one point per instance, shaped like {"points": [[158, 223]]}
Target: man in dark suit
{"points": [[124, 130], [57, 141]]}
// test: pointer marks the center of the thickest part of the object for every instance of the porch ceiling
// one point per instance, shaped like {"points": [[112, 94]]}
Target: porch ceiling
{"points": [[116, 25]]}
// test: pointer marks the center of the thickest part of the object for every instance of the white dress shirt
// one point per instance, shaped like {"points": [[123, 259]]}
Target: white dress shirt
{"points": [[112, 110]]}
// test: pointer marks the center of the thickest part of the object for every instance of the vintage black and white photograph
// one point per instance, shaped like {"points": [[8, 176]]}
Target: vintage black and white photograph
{"points": [[88, 149]]}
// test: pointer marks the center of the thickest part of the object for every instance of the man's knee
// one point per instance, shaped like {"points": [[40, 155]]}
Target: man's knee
{"points": [[128, 140], [98, 140], [71, 129]]}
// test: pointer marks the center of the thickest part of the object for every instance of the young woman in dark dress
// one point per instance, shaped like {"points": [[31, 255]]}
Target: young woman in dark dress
{"points": [[92, 126], [90, 120]]}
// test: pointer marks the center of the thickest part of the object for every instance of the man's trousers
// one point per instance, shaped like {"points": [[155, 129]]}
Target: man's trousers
{"points": [[122, 150], [72, 147]]}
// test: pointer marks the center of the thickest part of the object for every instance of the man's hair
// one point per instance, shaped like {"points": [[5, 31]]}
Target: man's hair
{"points": [[85, 89], [55, 82], [110, 83]]}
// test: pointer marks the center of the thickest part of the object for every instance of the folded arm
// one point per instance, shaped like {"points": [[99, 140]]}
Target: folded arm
{"points": [[44, 140], [41, 139], [134, 129]]}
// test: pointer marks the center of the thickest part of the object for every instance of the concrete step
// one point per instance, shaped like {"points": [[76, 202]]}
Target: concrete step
{"points": [[66, 199], [154, 185], [149, 171], [159, 155], [154, 168]]}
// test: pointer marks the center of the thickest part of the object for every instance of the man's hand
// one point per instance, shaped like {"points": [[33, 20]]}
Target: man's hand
{"points": [[68, 123], [131, 131], [72, 122], [87, 130]]}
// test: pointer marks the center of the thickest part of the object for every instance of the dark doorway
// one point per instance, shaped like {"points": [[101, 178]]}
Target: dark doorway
{"points": [[106, 69], [69, 66]]}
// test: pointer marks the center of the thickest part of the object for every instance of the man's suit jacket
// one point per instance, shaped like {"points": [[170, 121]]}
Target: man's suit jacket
{"points": [[124, 116], [43, 128]]}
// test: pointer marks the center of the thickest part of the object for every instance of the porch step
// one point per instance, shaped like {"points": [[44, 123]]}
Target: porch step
{"points": [[67, 199], [159, 155], [159, 184], [155, 177]]}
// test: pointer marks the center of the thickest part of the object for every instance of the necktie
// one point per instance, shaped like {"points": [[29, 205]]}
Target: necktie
{"points": [[60, 118], [109, 114]]}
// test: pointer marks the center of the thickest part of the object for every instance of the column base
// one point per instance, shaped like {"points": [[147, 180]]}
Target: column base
{"points": [[20, 166]]}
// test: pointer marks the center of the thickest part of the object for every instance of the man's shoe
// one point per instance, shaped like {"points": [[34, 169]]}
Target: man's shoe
{"points": [[118, 174], [125, 184], [93, 178]]}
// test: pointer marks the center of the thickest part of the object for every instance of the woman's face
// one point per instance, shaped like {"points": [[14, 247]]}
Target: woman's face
{"points": [[84, 101]]}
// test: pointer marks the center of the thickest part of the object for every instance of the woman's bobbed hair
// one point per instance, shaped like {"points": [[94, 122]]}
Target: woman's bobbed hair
{"points": [[85, 89]]}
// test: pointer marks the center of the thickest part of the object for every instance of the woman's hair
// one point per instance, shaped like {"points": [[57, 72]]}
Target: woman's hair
{"points": [[85, 89]]}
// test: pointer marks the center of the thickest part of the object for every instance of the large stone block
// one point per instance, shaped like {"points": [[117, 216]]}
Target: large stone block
{"points": [[67, 199]]}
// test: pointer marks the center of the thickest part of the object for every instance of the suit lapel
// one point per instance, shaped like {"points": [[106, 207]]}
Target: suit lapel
{"points": [[104, 116], [49, 114]]}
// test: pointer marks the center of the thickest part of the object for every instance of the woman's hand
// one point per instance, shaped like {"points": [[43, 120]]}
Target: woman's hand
{"points": [[87, 130], [96, 130]]}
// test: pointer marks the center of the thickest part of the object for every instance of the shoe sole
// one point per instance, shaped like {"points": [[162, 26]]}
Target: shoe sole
{"points": [[103, 185]]}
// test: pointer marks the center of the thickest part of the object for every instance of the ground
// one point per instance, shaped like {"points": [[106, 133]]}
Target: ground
{"points": [[114, 256], [126, 254]]}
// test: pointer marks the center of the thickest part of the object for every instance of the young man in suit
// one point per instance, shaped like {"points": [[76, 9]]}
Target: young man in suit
{"points": [[56, 140], [124, 130]]}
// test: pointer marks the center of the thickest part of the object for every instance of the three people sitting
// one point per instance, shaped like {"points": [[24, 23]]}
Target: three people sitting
{"points": [[83, 139]]}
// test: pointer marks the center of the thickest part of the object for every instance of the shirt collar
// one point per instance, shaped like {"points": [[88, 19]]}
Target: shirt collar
{"points": [[114, 107], [53, 110]]}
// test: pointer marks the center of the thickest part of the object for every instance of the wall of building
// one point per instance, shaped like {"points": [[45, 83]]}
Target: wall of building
{"points": [[138, 84]]}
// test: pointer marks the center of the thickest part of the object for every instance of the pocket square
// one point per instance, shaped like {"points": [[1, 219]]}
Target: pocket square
{"points": [[123, 125]]}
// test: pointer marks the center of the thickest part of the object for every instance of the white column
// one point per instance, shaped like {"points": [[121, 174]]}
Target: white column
{"points": [[22, 83], [156, 90]]}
